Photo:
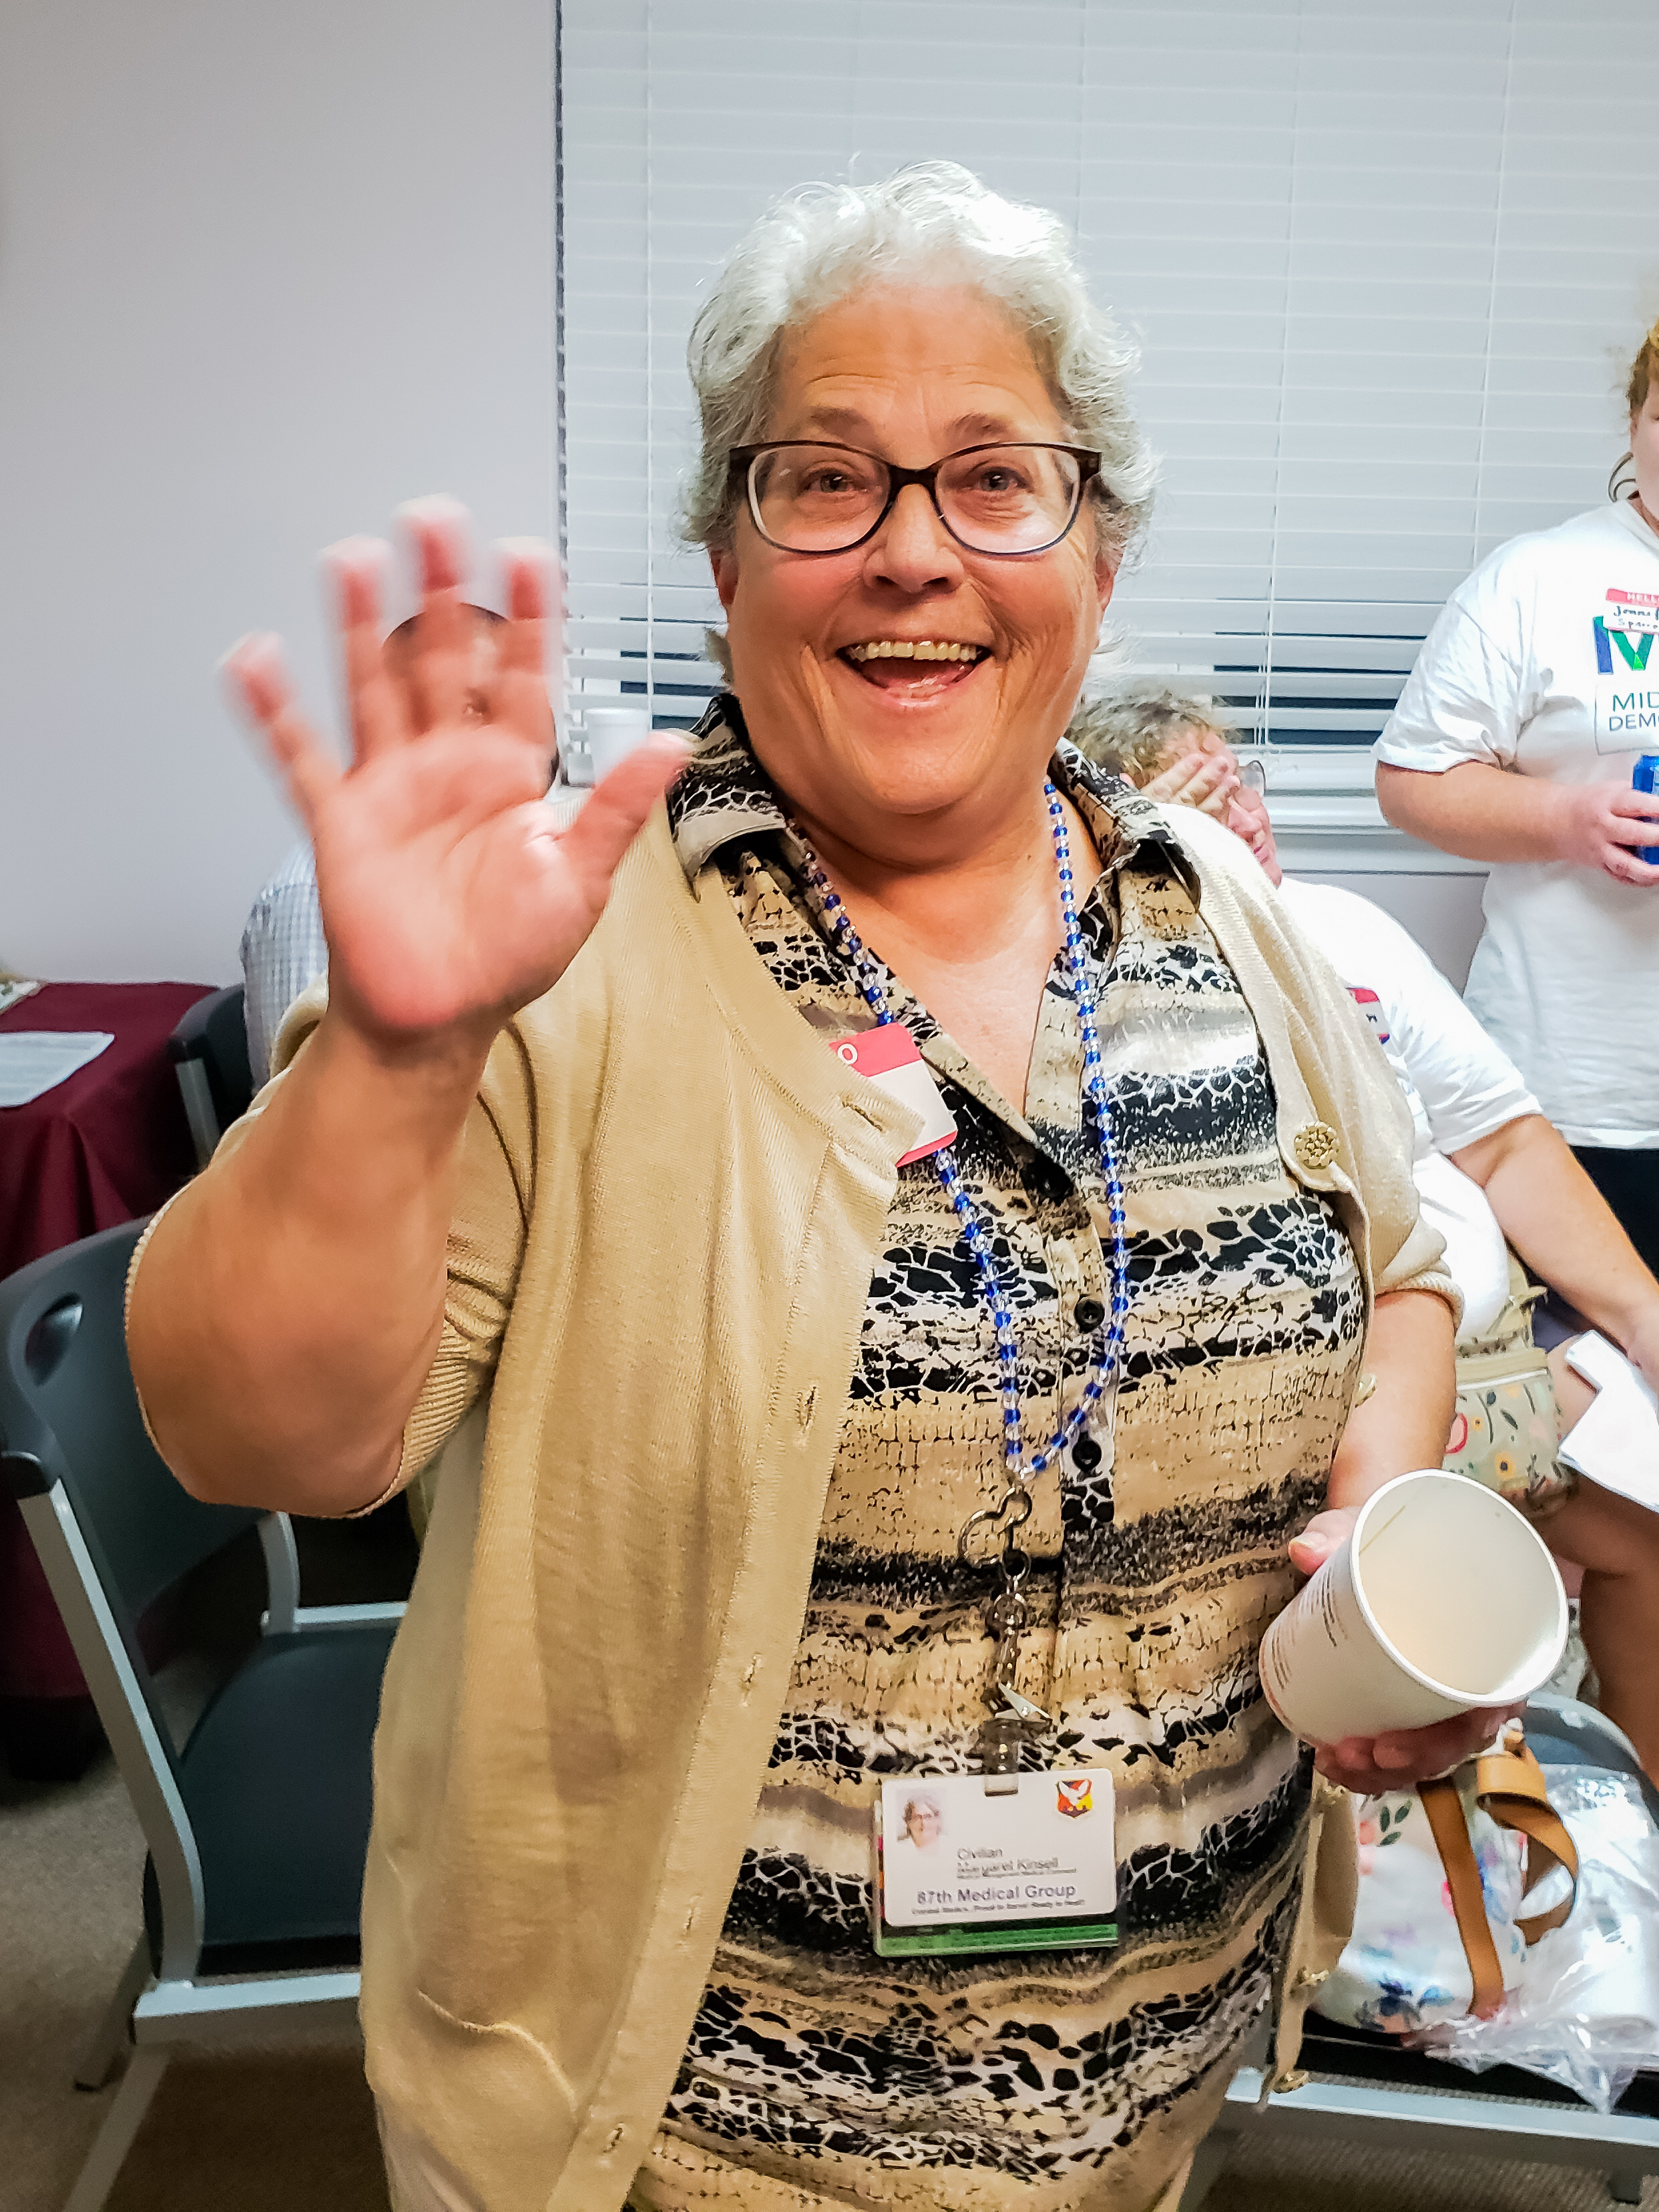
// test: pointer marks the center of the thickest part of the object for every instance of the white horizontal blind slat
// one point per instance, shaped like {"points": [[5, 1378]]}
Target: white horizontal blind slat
{"points": [[1371, 256]]}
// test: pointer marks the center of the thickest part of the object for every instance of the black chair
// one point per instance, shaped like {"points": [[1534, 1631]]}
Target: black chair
{"points": [[209, 1052], [257, 1824], [1363, 2086]]}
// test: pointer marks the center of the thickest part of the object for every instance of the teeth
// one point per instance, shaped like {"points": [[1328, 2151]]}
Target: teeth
{"points": [[902, 648]]}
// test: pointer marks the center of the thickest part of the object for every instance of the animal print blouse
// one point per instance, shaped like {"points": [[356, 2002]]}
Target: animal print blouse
{"points": [[817, 2074]]}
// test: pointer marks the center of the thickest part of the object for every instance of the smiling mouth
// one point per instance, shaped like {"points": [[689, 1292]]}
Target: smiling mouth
{"points": [[891, 664]]}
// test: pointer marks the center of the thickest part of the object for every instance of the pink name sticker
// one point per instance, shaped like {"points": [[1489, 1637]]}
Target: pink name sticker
{"points": [[1371, 1006], [1634, 612], [888, 1057]]}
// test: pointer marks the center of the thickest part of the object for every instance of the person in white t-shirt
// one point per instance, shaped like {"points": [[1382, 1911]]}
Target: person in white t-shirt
{"points": [[1514, 741], [1492, 1174]]}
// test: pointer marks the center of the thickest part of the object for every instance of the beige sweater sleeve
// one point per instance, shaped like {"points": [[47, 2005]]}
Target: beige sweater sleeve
{"points": [[486, 1240], [486, 1247]]}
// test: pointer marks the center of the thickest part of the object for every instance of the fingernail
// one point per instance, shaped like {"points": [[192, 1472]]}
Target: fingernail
{"points": [[438, 524], [253, 666], [253, 646], [356, 553], [435, 506]]}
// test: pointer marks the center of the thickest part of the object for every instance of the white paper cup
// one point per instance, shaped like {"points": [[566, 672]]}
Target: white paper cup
{"points": [[612, 733], [1445, 1598]]}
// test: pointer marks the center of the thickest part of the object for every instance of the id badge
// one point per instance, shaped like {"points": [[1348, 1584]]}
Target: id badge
{"points": [[889, 1057], [966, 1862]]}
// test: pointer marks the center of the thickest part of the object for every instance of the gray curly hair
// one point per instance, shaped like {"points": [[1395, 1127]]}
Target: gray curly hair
{"points": [[933, 222]]}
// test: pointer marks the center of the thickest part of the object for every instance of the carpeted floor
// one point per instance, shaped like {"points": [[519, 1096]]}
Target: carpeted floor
{"points": [[259, 2132]]}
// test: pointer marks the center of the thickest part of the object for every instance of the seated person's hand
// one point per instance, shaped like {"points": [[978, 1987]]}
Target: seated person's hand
{"points": [[1370, 1766], [1204, 780]]}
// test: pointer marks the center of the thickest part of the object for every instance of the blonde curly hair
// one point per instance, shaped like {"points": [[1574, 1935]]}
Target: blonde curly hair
{"points": [[1642, 370]]}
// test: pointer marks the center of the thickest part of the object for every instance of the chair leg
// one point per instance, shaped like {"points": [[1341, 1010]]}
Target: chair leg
{"points": [[112, 2036], [121, 2123], [1624, 2188]]}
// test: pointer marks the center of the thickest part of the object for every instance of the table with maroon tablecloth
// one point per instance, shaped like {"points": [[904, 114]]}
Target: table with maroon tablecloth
{"points": [[109, 1143]]}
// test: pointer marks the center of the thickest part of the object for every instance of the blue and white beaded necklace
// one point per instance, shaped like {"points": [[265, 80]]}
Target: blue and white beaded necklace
{"points": [[1013, 1508]]}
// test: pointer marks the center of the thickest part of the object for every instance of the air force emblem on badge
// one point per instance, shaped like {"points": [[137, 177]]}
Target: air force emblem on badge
{"points": [[1075, 1797]]}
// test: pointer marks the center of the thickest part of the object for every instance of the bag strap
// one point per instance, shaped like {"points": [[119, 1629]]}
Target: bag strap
{"points": [[1451, 1830], [1510, 1786]]}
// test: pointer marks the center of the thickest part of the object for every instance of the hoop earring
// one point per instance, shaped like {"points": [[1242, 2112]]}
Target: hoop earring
{"points": [[1618, 478]]}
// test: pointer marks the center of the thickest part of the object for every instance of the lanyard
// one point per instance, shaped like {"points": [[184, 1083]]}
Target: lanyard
{"points": [[1009, 1612]]}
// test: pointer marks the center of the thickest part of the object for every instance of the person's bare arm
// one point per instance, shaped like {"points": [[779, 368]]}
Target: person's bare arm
{"points": [[1404, 1423], [1402, 1427], [1566, 1231], [1487, 813], [286, 1309]]}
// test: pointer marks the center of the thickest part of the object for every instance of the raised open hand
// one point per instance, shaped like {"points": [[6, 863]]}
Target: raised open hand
{"points": [[449, 898]]}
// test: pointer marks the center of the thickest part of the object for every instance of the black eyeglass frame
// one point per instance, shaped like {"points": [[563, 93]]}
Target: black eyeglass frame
{"points": [[743, 457]]}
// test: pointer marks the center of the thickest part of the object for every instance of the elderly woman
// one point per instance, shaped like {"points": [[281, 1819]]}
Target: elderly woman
{"points": [[902, 1227]]}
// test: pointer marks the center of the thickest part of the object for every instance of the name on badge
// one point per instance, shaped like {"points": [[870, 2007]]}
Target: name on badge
{"points": [[1633, 612], [990, 1862]]}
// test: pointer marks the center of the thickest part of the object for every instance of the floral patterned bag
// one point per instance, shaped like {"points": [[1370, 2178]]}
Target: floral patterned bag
{"points": [[1404, 1967], [1440, 1929]]}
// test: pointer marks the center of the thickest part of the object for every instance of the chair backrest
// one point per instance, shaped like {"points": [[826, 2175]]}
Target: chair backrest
{"points": [[68, 1415], [208, 1051]]}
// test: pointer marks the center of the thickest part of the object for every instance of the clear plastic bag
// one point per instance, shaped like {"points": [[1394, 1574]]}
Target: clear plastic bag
{"points": [[1586, 2011]]}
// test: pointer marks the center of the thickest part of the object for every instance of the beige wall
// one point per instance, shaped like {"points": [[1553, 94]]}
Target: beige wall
{"points": [[264, 272]]}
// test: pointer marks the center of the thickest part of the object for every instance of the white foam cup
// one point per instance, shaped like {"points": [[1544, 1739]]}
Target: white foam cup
{"points": [[612, 733], [1445, 1598]]}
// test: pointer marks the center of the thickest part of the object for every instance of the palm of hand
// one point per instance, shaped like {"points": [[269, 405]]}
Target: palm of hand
{"points": [[448, 892], [449, 897]]}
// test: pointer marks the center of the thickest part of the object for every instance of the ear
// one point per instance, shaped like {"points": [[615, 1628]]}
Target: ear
{"points": [[723, 561], [1105, 578]]}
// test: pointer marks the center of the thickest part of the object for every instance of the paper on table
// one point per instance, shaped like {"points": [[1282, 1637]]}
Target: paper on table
{"points": [[1615, 1441], [34, 1062]]}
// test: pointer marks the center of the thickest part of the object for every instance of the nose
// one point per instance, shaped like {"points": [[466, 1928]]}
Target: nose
{"points": [[913, 549]]}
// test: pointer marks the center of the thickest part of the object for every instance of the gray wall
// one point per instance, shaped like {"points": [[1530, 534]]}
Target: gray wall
{"points": [[265, 272]]}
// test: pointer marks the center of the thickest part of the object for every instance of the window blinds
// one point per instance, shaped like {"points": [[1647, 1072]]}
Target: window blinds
{"points": [[1382, 260]]}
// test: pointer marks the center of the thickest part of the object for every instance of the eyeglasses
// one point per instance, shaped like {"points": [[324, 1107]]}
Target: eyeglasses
{"points": [[1253, 774], [808, 496]]}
